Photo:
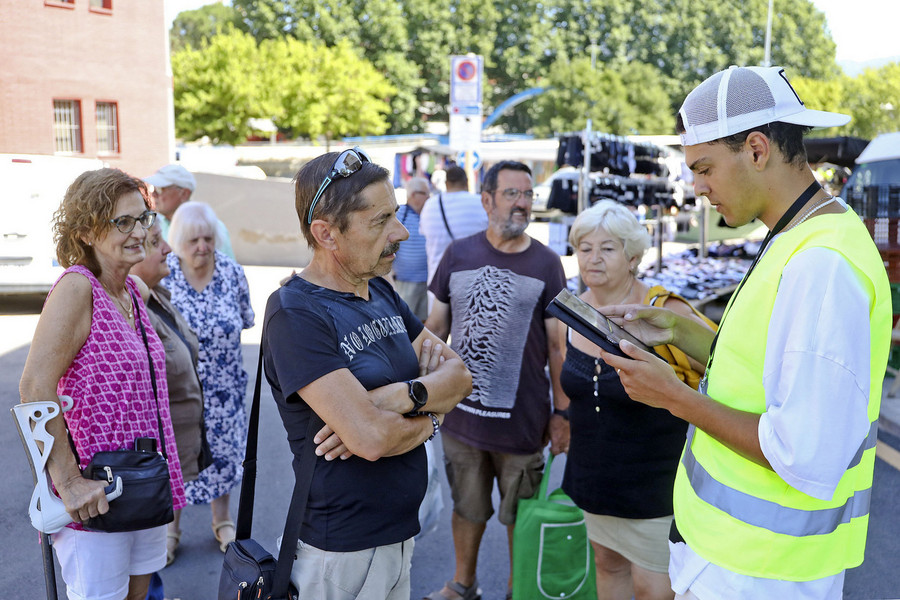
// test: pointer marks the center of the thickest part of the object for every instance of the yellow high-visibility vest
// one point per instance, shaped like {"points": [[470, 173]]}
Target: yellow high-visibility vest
{"points": [[743, 516]]}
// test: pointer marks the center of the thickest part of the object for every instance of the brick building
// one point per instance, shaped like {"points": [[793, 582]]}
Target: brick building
{"points": [[87, 78]]}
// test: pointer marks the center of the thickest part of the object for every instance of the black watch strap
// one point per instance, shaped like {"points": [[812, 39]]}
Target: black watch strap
{"points": [[563, 412]]}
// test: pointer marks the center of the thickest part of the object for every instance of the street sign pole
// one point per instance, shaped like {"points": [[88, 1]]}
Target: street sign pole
{"points": [[466, 117]]}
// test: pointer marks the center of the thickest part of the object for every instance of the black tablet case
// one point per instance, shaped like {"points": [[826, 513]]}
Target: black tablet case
{"points": [[567, 315]]}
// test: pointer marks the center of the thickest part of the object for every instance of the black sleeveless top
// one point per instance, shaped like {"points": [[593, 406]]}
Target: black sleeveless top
{"points": [[622, 454]]}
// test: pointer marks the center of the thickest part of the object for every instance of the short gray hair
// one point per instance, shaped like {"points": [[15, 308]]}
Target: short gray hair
{"points": [[416, 182], [190, 220], [616, 220]]}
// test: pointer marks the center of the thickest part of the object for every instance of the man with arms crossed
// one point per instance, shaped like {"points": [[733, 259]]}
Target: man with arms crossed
{"points": [[491, 293], [772, 493], [339, 341]]}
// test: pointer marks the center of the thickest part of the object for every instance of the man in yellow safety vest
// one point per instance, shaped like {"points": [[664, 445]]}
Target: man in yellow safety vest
{"points": [[772, 492]]}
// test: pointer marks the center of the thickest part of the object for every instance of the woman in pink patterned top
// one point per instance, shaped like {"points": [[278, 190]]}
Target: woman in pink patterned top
{"points": [[88, 345]]}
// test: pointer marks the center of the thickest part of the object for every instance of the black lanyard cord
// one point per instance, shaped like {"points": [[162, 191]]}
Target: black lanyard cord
{"points": [[786, 218]]}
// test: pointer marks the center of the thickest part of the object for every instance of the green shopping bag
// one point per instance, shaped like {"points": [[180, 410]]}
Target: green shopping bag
{"points": [[552, 557]]}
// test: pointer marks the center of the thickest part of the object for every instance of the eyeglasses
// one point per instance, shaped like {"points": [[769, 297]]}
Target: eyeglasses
{"points": [[125, 223], [158, 191], [348, 162], [513, 194]]}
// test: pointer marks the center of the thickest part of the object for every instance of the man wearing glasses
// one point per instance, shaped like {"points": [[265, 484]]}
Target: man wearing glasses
{"points": [[491, 291], [173, 185], [339, 341]]}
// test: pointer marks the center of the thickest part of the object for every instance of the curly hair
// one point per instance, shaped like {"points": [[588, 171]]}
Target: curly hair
{"points": [[85, 212]]}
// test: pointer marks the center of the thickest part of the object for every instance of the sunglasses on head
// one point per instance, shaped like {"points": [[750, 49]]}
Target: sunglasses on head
{"points": [[126, 223], [348, 162]]}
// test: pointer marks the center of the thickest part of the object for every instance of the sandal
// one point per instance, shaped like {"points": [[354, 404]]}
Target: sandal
{"points": [[473, 592], [173, 538], [223, 541]]}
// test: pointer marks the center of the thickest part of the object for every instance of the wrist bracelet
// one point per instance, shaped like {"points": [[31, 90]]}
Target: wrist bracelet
{"points": [[434, 423]]}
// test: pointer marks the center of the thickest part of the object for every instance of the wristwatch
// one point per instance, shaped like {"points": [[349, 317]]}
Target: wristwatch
{"points": [[563, 412], [434, 423], [419, 396]]}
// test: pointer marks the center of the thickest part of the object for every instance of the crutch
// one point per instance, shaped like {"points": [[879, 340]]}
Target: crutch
{"points": [[47, 512]]}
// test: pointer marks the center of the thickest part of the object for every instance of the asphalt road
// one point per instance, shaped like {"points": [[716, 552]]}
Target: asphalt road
{"points": [[195, 573]]}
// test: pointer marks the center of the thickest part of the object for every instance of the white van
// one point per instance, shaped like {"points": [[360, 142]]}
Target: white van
{"points": [[32, 189]]}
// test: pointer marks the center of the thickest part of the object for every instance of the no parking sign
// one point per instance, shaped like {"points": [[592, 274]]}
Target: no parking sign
{"points": [[465, 79]]}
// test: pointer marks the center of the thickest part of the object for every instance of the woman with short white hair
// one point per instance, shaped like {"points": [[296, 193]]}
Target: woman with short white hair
{"points": [[622, 454], [211, 292]]}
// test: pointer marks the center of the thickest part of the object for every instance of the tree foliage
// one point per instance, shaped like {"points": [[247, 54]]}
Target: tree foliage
{"points": [[873, 99], [655, 48], [376, 30], [216, 88], [194, 27], [627, 100], [306, 88], [323, 92]]}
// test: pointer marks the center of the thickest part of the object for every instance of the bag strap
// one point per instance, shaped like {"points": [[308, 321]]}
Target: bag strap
{"points": [[444, 217], [244, 527], [299, 497], [297, 510], [657, 296], [545, 478], [160, 311], [137, 317]]}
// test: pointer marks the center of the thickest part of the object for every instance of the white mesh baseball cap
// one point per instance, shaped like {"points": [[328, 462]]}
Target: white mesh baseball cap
{"points": [[173, 174], [741, 98]]}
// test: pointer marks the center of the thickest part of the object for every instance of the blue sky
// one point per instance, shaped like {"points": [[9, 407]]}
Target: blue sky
{"points": [[863, 29]]}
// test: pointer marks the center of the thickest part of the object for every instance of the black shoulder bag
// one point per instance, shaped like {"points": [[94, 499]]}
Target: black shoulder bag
{"points": [[249, 571], [146, 499]]}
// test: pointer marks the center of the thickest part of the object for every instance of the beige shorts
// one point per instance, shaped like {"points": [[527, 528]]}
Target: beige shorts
{"points": [[644, 542], [471, 473], [380, 573]]}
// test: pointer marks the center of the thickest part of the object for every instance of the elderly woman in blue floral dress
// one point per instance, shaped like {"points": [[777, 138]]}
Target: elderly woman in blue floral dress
{"points": [[211, 291]]}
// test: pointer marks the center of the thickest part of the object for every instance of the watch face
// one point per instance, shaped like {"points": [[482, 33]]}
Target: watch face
{"points": [[418, 392]]}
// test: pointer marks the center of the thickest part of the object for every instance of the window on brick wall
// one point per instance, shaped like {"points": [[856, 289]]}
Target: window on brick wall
{"points": [[67, 126], [107, 128], [61, 3], [101, 5]]}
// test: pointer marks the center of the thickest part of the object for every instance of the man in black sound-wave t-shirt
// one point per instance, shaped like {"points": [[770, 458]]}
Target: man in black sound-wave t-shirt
{"points": [[491, 292]]}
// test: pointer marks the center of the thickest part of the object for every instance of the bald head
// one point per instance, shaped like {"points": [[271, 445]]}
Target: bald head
{"points": [[417, 192]]}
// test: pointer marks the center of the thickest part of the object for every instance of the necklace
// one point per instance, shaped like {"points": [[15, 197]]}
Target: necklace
{"points": [[128, 309], [818, 205]]}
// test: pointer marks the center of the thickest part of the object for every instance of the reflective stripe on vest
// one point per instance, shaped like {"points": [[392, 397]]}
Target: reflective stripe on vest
{"points": [[770, 515]]}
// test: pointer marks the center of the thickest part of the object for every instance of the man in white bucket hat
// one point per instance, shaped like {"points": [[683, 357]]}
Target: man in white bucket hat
{"points": [[172, 187], [772, 492]]}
